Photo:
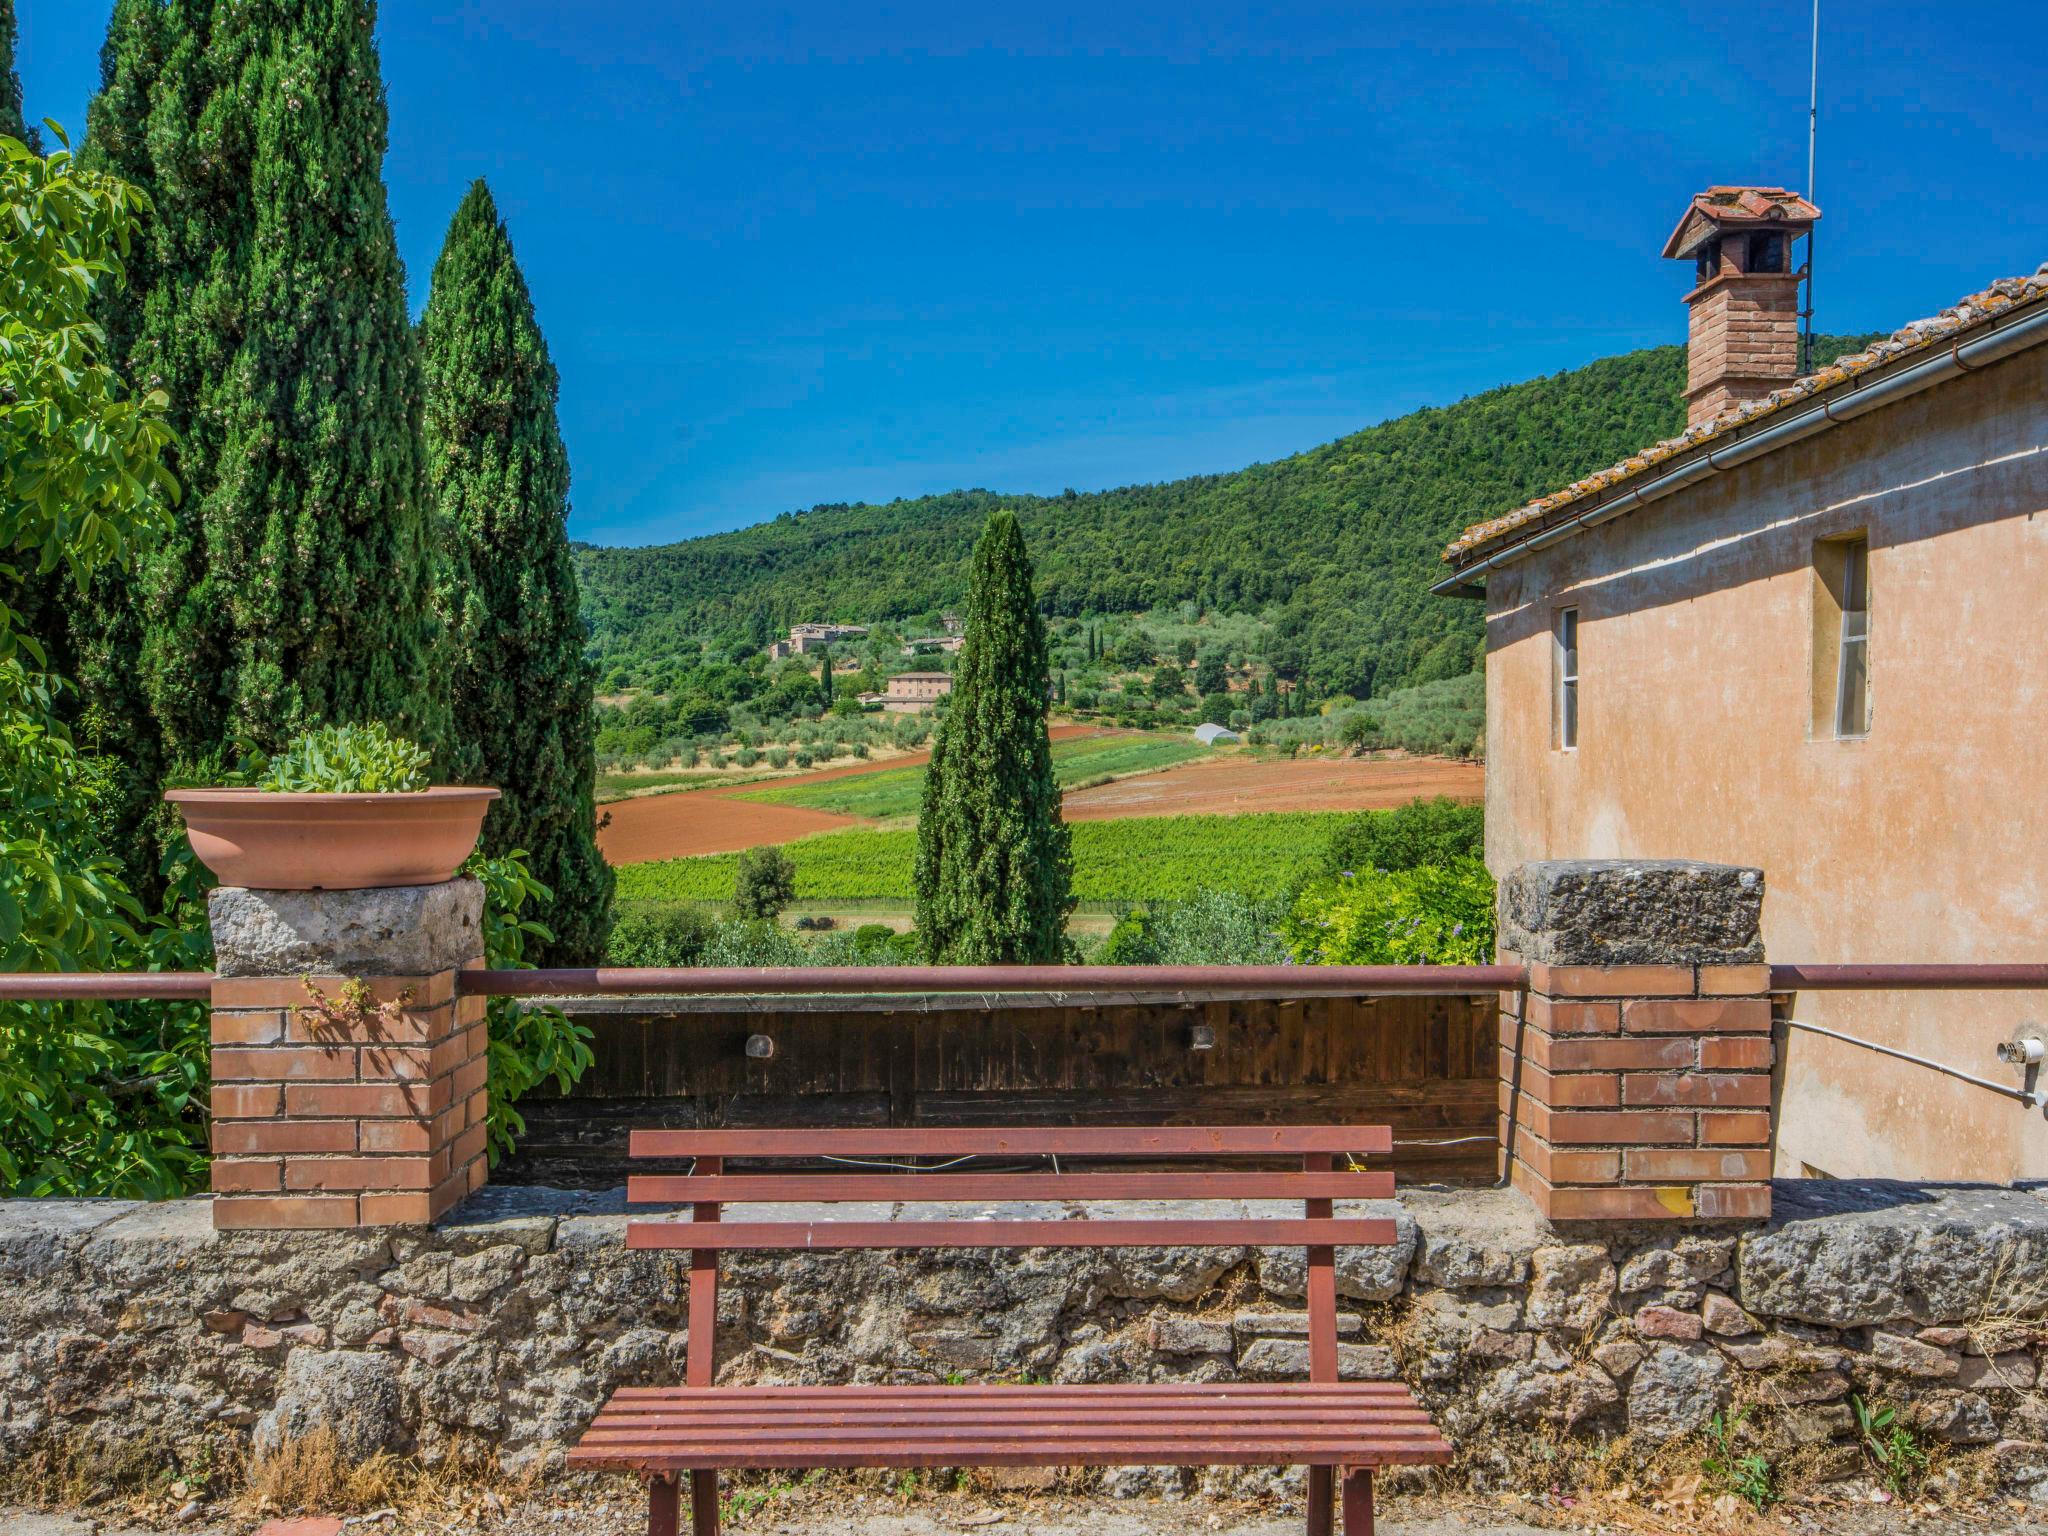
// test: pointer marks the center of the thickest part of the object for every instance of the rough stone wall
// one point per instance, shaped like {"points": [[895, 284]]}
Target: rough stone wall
{"points": [[508, 1325]]}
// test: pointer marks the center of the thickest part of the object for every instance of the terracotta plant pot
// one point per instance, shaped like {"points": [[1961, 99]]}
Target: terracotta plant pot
{"points": [[315, 842]]}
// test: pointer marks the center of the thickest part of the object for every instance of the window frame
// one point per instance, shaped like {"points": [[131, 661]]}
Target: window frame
{"points": [[1852, 637], [1566, 638]]}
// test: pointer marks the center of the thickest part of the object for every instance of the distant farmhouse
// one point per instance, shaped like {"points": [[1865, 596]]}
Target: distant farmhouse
{"points": [[805, 638], [1805, 635], [908, 692]]}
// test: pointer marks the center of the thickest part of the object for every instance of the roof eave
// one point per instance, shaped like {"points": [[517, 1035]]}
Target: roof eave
{"points": [[2015, 330]]}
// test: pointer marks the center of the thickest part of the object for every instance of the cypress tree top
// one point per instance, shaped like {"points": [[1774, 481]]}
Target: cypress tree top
{"points": [[12, 123], [296, 586], [994, 865], [500, 480]]}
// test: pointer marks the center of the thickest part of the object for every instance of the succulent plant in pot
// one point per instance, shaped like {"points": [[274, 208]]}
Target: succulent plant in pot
{"points": [[342, 808]]}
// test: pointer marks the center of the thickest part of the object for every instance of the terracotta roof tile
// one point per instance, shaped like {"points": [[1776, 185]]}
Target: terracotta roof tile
{"points": [[1977, 309]]}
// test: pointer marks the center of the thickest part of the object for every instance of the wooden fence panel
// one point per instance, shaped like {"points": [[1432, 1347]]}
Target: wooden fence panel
{"points": [[1424, 1065]]}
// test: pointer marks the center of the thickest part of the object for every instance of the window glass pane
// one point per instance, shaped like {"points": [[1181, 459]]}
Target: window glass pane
{"points": [[1856, 578], [1569, 721], [1852, 706]]}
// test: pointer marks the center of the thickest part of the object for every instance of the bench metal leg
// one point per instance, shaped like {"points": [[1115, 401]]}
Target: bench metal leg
{"points": [[1320, 1499], [703, 1504], [1358, 1501], [662, 1514]]}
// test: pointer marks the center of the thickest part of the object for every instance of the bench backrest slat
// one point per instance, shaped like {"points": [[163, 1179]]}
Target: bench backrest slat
{"points": [[788, 1188], [1027, 1141], [1227, 1232], [1315, 1180]]}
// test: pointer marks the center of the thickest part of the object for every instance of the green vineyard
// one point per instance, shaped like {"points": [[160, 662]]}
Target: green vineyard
{"points": [[1150, 858], [892, 792]]}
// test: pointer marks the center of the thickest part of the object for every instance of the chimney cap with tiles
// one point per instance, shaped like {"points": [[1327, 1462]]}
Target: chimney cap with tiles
{"points": [[1743, 333], [1720, 210]]}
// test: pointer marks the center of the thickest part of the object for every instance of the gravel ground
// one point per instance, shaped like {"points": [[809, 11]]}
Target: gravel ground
{"points": [[560, 1514]]}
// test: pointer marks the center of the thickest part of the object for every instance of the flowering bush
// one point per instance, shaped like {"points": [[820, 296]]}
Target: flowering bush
{"points": [[1430, 915]]}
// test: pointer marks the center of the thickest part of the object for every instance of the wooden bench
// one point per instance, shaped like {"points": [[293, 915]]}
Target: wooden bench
{"points": [[1339, 1430]]}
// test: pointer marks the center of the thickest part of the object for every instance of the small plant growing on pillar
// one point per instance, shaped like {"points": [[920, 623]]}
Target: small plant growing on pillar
{"points": [[351, 1010]]}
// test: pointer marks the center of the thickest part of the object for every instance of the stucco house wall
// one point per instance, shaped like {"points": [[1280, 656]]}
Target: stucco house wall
{"points": [[1927, 840]]}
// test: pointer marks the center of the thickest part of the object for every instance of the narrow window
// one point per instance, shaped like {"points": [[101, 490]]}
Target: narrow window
{"points": [[1707, 262], [1567, 678], [1767, 252], [1852, 671]]}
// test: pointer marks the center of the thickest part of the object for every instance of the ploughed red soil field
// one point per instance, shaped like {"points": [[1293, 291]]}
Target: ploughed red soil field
{"points": [[1236, 785], [684, 822], [715, 821]]}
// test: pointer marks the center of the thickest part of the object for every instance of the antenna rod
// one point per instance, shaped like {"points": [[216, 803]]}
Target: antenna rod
{"points": [[1812, 133]]}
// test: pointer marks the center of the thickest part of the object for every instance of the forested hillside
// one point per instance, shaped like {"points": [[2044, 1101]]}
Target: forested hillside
{"points": [[1341, 542]]}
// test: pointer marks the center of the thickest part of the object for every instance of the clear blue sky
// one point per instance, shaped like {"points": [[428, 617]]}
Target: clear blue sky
{"points": [[802, 253]]}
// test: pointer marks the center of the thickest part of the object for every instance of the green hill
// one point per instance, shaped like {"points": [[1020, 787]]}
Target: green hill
{"points": [[1338, 544]]}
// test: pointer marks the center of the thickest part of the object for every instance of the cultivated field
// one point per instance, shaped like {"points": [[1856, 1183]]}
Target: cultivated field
{"points": [[1191, 781], [1234, 783], [899, 791], [1154, 858]]}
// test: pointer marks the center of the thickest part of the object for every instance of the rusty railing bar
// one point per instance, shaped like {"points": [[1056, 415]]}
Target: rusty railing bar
{"points": [[1908, 978], [108, 986], [1054, 981], [1050, 981]]}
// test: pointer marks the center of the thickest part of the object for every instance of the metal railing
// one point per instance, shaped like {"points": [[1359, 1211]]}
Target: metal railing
{"points": [[1053, 980]]}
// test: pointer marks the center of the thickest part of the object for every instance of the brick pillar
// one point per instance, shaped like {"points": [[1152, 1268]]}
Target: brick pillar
{"points": [[366, 1111], [1636, 1070]]}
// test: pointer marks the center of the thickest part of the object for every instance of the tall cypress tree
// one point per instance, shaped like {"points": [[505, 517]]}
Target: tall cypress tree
{"points": [[994, 865], [297, 584], [12, 122], [499, 475], [825, 677]]}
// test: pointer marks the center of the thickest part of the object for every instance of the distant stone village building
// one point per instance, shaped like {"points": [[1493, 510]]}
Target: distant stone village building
{"points": [[908, 692], [927, 644], [805, 638], [1806, 635]]}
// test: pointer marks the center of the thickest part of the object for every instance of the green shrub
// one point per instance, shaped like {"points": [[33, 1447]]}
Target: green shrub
{"points": [[660, 935], [347, 760], [1440, 831], [529, 1044], [752, 942], [1209, 928], [1423, 916]]}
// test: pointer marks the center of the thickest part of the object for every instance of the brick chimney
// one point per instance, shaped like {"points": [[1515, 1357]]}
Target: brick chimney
{"points": [[1743, 340]]}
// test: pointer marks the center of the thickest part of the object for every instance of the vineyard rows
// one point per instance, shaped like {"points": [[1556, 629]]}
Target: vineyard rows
{"points": [[1149, 858]]}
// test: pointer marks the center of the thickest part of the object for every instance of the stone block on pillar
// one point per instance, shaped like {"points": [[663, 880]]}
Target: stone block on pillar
{"points": [[348, 1076], [1636, 1069]]}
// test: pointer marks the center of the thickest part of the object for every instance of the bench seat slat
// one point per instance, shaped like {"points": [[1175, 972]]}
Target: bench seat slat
{"points": [[772, 1188], [1185, 1423], [1019, 1141], [1232, 1232]]}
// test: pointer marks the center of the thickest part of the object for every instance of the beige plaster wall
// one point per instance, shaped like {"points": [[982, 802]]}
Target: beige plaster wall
{"points": [[1927, 840]]}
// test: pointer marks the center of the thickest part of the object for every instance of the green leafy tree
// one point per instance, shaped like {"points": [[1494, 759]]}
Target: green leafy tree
{"points": [[764, 884], [994, 872], [1430, 915], [296, 583], [12, 122], [521, 688], [1211, 674], [1168, 683], [94, 1098]]}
